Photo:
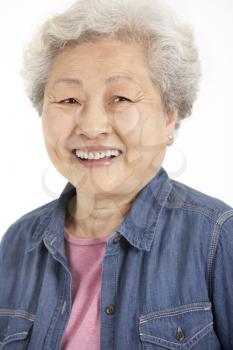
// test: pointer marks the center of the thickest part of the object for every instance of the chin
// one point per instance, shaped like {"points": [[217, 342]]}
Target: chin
{"points": [[122, 187], [100, 188]]}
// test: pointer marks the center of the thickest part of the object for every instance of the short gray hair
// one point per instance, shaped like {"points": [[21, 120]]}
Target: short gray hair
{"points": [[169, 45]]}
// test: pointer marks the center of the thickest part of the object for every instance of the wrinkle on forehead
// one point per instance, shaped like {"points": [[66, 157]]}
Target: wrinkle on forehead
{"points": [[109, 80]]}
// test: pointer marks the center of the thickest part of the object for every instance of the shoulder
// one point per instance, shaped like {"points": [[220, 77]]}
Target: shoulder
{"points": [[208, 218], [189, 199]]}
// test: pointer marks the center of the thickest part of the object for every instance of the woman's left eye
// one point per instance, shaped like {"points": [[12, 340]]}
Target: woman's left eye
{"points": [[122, 98], [69, 101]]}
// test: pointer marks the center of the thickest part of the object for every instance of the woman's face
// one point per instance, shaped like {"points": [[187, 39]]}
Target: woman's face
{"points": [[100, 95]]}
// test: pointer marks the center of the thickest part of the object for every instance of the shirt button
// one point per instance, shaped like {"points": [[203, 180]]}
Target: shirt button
{"points": [[110, 309], [116, 239], [180, 334]]}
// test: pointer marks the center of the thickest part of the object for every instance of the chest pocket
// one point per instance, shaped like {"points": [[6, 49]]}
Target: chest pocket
{"points": [[181, 328], [15, 329]]}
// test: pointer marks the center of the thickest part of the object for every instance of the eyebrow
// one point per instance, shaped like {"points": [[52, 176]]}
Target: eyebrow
{"points": [[107, 81]]}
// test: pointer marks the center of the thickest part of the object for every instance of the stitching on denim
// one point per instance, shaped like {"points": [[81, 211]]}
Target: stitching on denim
{"points": [[161, 197], [175, 311], [101, 292], [213, 248], [101, 297], [164, 192], [225, 216], [59, 337], [190, 202], [187, 345], [142, 244], [164, 198], [60, 303], [161, 341], [114, 258], [15, 336], [115, 293], [201, 210], [17, 313], [174, 314], [58, 314], [200, 334]]}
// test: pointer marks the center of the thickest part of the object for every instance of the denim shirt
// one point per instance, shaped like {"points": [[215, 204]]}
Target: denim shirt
{"points": [[167, 274]]}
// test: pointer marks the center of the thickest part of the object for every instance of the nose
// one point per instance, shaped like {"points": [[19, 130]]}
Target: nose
{"points": [[93, 122]]}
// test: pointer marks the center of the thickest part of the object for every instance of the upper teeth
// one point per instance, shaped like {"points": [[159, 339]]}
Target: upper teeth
{"points": [[97, 155]]}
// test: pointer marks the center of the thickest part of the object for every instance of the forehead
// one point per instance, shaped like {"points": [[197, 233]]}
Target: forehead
{"points": [[113, 60]]}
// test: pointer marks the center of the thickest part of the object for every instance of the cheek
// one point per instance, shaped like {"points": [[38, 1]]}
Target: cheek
{"points": [[128, 122], [55, 131], [55, 124], [141, 128], [153, 132]]}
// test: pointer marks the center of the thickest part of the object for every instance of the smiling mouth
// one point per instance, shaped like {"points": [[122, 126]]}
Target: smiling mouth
{"points": [[96, 156]]}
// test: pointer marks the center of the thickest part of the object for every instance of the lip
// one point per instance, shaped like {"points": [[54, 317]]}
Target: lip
{"points": [[96, 149], [98, 162]]}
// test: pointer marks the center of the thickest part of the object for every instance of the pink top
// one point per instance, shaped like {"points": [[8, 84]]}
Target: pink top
{"points": [[85, 259]]}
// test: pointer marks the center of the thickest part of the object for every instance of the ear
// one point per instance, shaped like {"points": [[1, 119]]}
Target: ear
{"points": [[171, 120]]}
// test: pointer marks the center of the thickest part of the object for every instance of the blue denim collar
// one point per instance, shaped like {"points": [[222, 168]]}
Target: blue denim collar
{"points": [[51, 223], [138, 227]]}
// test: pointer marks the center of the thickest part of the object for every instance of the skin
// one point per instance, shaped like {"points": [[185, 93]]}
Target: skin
{"points": [[93, 114]]}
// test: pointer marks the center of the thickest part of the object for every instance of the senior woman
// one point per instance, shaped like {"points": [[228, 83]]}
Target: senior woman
{"points": [[126, 258]]}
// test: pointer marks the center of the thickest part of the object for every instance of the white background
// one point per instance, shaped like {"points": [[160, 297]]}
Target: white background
{"points": [[205, 140]]}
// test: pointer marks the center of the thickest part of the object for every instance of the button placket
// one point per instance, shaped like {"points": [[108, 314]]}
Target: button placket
{"points": [[108, 294]]}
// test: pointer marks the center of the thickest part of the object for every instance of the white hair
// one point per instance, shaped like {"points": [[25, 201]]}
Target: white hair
{"points": [[168, 44]]}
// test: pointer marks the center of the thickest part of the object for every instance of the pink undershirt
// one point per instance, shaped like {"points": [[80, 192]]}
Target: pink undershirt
{"points": [[85, 257]]}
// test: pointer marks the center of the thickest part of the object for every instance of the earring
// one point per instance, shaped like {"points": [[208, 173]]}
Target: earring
{"points": [[171, 139]]}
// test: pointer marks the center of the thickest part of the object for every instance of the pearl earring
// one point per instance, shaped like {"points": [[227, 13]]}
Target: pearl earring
{"points": [[171, 139]]}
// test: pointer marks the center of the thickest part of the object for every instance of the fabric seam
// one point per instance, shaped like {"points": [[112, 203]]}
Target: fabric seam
{"points": [[213, 247]]}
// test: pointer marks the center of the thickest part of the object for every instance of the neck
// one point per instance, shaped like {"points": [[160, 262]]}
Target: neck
{"points": [[96, 216]]}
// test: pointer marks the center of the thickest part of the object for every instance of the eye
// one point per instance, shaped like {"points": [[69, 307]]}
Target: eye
{"points": [[122, 99], [69, 101]]}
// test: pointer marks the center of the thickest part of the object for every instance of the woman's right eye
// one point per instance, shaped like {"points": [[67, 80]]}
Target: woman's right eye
{"points": [[69, 101]]}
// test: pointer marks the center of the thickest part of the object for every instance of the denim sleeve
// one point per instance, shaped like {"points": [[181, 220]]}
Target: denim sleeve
{"points": [[2, 242], [6, 241], [222, 284], [2, 251]]}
